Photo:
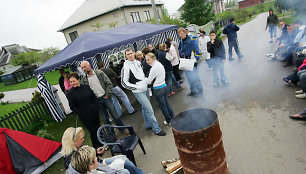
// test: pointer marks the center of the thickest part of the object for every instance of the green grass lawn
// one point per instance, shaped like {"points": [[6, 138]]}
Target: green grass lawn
{"points": [[7, 108], [52, 78]]}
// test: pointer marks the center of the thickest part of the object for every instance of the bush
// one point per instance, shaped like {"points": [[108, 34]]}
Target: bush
{"points": [[36, 97], [1, 96], [44, 134], [35, 127]]}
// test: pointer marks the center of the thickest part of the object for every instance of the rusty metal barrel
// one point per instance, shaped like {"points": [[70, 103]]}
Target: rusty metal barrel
{"points": [[198, 139]]}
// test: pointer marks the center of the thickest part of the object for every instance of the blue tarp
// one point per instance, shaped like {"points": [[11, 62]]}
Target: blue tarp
{"points": [[91, 43]]}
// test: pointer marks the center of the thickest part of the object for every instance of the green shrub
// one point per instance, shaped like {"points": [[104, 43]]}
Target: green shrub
{"points": [[44, 134], [36, 97], [34, 127], [1, 96]]}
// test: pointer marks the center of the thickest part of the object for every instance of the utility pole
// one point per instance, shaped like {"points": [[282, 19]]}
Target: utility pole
{"points": [[155, 12]]}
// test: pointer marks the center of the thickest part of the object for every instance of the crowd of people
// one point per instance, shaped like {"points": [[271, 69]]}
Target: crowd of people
{"points": [[291, 49], [155, 71]]}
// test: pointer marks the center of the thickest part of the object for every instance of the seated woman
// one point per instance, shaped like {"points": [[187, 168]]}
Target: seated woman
{"points": [[84, 161], [294, 77], [73, 139], [299, 116]]}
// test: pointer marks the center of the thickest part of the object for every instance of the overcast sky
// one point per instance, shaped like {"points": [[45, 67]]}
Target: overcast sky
{"points": [[34, 23]]}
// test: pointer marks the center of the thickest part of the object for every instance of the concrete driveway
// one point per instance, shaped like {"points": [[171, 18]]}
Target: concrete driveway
{"points": [[258, 136]]}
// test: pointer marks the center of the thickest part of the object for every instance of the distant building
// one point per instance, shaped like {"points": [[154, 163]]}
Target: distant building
{"points": [[218, 7], [107, 12], [249, 3], [8, 52]]}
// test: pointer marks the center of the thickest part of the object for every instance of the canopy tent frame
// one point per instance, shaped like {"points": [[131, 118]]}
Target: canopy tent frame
{"points": [[138, 41]]}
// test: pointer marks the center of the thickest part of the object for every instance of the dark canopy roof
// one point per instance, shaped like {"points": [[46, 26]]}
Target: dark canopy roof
{"points": [[91, 43]]}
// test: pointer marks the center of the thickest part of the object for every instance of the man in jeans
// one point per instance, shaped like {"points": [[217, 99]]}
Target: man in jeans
{"points": [[217, 56], [186, 47], [133, 78], [117, 91], [231, 31], [102, 88]]}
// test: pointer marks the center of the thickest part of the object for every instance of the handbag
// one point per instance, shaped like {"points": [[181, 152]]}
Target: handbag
{"points": [[186, 64]]}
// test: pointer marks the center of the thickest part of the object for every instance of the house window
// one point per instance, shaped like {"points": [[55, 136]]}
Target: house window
{"points": [[147, 14], [135, 17], [73, 35]]}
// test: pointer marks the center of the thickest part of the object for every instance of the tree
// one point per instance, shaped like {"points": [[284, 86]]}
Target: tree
{"points": [[113, 24], [25, 58], [197, 12], [1, 96], [168, 20], [97, 26], [47, 54], [33, 57], [296, 5]]}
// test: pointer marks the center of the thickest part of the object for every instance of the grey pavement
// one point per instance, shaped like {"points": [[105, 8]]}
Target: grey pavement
{"points": [[253, 112], [258, 136]]}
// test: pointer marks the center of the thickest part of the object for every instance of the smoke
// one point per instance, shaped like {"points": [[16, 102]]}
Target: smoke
{"points": [[253, 78], [296, 5]]}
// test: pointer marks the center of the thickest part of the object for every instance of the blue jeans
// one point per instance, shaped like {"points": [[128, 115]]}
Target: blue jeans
{"points": [[147, 111], [118, 92], [127, 164], [194, 81], [161, 96], [169, 80], [272, 30], [217, 64], [107, 104], [231, 44]]}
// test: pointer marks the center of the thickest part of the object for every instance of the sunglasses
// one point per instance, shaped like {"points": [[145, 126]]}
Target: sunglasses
{"points": [[73, 135]]}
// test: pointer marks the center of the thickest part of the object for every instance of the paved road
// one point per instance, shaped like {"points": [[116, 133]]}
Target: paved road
{"points": [[253, 112], [258, 136], [26, 95]]}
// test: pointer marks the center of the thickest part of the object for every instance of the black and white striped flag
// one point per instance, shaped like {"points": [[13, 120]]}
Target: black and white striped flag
{"points": [[47, 93]]}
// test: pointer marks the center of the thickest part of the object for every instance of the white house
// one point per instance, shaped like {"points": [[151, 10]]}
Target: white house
{"points": [[109, 13]]}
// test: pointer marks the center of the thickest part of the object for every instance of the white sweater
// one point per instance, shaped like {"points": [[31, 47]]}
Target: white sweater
{"points": [[157, 71], [130, 69]]}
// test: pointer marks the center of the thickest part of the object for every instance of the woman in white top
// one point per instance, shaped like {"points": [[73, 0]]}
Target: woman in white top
{"points": [[173, 51], [160, 91]]}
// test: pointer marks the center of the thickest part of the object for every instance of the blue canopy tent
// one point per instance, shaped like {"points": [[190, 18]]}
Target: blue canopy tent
{"points": [[98, 46]]}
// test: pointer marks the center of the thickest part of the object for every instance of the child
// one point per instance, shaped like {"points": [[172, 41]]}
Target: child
{"points": [[66, 81]]}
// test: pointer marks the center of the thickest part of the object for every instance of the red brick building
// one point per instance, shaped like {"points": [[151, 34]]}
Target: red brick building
{"points": [[248, 3]]}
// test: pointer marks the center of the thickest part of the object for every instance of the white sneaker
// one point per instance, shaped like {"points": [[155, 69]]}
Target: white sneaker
{"points": [[299, 92], [301, 96], [270, 55], [165, 123]]}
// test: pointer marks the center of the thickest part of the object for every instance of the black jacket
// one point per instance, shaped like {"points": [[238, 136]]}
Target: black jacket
{"points": [[272, 20], [164, 61], [216, 50], [111, 75]]}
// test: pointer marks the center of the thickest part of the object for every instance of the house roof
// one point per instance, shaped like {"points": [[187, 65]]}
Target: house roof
{"points": [[8, 51], [11, 70], [93, 8]]}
